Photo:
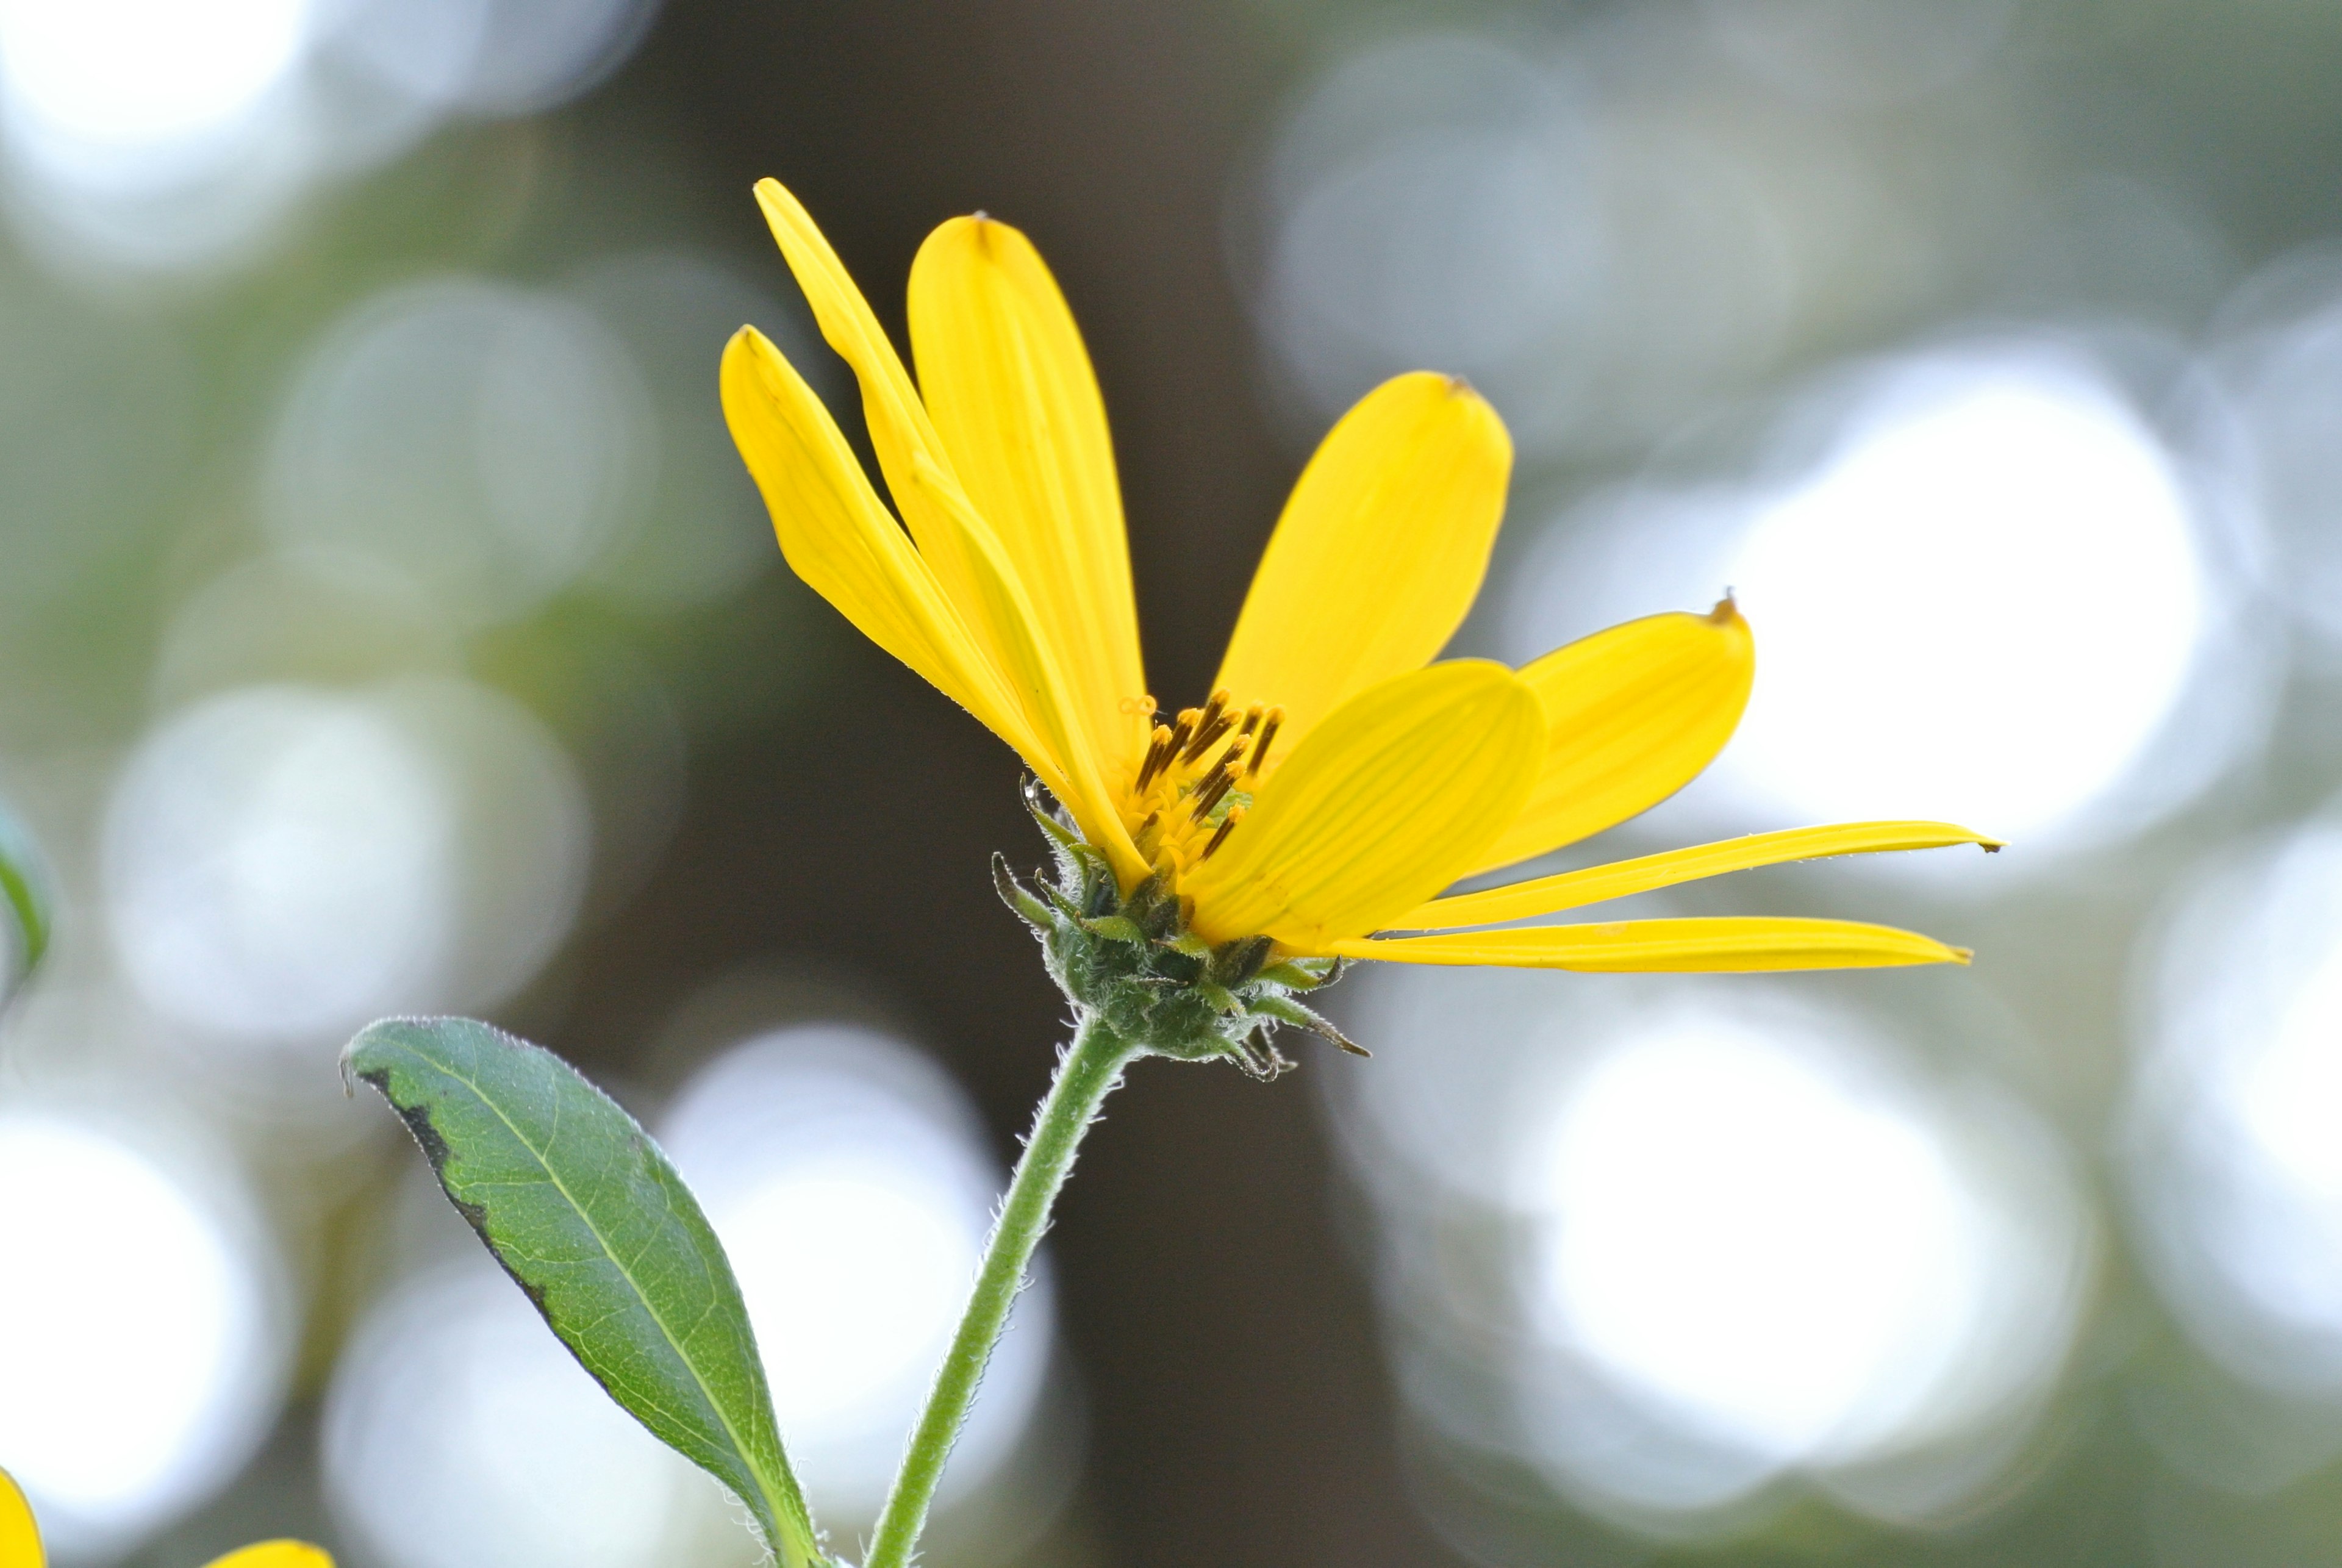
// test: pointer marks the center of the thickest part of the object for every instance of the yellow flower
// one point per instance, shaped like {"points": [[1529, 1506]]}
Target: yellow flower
{"points": [[1337, 780], [20, 1542]]}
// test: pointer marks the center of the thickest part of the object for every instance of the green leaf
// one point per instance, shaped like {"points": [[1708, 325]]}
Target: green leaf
{"points": [[589, 1218], [24, 906]]}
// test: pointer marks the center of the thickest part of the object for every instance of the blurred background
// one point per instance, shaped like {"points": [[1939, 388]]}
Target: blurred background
{"points": [[386, 625]]}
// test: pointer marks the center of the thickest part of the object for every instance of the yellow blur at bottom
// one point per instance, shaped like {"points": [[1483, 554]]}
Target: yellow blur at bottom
{"points": [[20, 1541], [277, 1554]]}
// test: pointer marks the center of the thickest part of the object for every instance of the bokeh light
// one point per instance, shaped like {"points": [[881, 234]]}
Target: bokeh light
{"points": [[852, 1189], [284, 863], [1509, 214], [1860, 52], [1994, 559], [1991, 554], [498, 57], [708, 532], [2237, 1172], [116, 1416], [483, 441], [460, 1434], [1745, 1242], [105, 89], [2282, 360], [150, 137]]}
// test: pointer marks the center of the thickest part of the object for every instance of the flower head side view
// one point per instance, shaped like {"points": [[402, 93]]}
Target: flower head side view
{"points": [[1214, 864], [1337, 780], [20, 1541]]}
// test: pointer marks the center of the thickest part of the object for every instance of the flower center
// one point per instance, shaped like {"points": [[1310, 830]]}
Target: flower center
{"points": [[1196, 781]]}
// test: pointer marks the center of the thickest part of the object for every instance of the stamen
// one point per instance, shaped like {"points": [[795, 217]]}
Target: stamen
{"points": [[1181, 728], [1159, 755], [1252, 719], [1153, 820], [1213, 723], [1269, 721], [1227, 825], [1223, 779], [1207, 736], [1215, 779]]}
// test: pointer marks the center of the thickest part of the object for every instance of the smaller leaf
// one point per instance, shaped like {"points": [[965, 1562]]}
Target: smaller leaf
{"points": [[24, 906], [592, 1221]]}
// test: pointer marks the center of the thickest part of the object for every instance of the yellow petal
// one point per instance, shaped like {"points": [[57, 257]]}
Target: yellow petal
{"points": [[839, 537], [898, 421], [953, 539], [1705, 946], [20, 1537], [1377, 808], [1379, 553], [1009, 387], [1598, 884], [276, 1554], [1635, 714]]}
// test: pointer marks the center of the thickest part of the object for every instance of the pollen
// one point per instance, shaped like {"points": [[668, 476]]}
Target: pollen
{"points": [[1195, 781]]}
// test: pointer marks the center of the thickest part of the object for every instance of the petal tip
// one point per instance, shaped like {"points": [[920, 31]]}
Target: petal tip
{"points": [[1726, 612]]}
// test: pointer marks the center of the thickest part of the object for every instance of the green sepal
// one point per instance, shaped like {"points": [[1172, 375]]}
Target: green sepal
{"points": [[1065, 838], [1076, 861], [1286, 1010], [1236, 961], [1067, 907], [1116, 928], [1132, 961], [1029, 909], [1222, 999], [591, 1221]]}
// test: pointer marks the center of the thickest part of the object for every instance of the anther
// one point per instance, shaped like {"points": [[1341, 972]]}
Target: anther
{"points": [[1252, 719], [1268, 722], [1220, 836], [1153, 820], [1159, 755], [1211, 732], [1210, 726], [1215, 779], [1221, 781], [1181, 728]]}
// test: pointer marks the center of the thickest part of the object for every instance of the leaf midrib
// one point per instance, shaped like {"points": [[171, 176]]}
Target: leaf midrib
{"points": [[755, 1467]]}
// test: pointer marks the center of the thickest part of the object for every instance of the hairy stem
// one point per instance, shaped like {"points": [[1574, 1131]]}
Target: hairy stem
{"points": [[1087, 1074]]}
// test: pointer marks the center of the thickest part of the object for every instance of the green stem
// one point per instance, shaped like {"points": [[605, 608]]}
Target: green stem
{"points": [[1087, 1074]]}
